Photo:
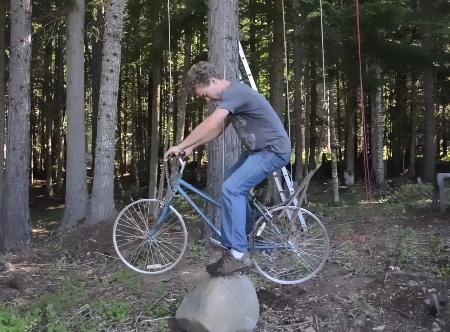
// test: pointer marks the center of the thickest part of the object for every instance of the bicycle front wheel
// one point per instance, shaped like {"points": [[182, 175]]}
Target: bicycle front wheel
{"points": [[145, 246], [289, 248]]}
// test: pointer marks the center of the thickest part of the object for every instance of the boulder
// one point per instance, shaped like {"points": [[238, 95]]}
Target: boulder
{"points": [[220, 304]]}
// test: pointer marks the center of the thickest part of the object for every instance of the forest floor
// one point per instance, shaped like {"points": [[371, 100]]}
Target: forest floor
{"points": [[389, 272]]}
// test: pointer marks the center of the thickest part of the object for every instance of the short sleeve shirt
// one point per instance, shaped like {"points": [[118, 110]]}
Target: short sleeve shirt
{"points": [[254, 119]]}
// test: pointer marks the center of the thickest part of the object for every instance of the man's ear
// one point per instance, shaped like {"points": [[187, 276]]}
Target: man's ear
{"points": [[212, 80]]}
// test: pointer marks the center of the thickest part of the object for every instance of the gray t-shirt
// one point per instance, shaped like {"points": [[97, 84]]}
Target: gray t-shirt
{"points": [[253, 118]]}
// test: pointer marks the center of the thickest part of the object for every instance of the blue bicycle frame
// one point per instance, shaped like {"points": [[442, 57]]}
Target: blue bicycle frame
{"points": [[178, 185]]}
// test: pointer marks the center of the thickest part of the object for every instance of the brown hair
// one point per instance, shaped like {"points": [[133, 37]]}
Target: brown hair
{"points": [[199, 75]]}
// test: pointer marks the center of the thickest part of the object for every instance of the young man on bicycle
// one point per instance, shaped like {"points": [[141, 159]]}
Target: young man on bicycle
{"points": [[268, 150]]}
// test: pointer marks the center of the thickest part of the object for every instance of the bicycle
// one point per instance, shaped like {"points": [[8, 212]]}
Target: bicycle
{"points": [[288, 245]]}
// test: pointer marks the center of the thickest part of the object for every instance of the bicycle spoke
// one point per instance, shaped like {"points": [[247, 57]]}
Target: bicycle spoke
{"points": [[300, 245], [144, 246]]}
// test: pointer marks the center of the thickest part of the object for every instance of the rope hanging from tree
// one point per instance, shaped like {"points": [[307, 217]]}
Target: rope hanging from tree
{"points": [[367, 179]]}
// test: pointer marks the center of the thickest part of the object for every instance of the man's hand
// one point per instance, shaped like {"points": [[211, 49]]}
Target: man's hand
{"points": [[176, 151]]}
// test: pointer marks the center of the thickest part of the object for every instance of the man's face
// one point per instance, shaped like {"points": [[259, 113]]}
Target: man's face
{"points": [[212, 92]]}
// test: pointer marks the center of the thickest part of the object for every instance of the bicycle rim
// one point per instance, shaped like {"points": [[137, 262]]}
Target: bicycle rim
{"points": [[145, 247], [286, 252]]}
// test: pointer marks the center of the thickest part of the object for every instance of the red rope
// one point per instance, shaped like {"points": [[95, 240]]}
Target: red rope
{"points": [[368, 183]]}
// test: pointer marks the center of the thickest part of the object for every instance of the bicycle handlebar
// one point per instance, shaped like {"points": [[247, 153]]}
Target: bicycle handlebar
{"points": [[182, 163]]}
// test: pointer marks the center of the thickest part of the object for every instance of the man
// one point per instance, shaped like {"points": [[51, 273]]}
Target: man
{"points": [[268, 150]]}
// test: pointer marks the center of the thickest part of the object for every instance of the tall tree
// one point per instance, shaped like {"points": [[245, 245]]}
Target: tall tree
{"points": [[181, 119], [350, 120], [97, 46], [59, 109], [429, 148], [15, 217], [102, 202], [48, 112], [378, 130], [223, 38], [333, 136], [412, 144], [2, 99], [156, 101], [76, 185], [298, 20]]}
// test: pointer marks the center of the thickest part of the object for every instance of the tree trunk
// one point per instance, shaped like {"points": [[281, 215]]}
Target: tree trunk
{"points": [[350, 114], [102, 202], [181, 116], [276, 53], [97, 46], [59, 111], [15, 218], [298, 72], [48, 112], [412, 144], [2, 100], [429, 160], [378, 131], [398, 124], [223, 39], [333, 139], [156, 102], [307, 121], [313, 116], [76, 186], [276, 80]]}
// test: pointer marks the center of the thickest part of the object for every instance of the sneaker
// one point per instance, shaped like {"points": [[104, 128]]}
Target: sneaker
{"points": [[228, 264]]}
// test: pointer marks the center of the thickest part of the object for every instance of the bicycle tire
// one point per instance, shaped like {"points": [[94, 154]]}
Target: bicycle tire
{"points": [[144, 248], [298, 252]]}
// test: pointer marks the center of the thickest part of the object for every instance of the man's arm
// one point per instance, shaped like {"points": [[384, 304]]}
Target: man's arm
{"points": [[205, 132]]}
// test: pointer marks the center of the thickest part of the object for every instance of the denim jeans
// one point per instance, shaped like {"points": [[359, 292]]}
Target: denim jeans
{"points": [[250, 169]]}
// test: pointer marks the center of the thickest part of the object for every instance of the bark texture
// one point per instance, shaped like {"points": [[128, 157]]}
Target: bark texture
{"points": [[15, 218], [76, 186], [223, 37], [333, 140], [378, 131], [102, 201], [429, 161], [156, 104], [2, 99], [298, 72]]}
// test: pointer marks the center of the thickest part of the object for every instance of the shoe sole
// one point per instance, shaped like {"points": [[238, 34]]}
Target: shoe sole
{"points": [[240, 269]]}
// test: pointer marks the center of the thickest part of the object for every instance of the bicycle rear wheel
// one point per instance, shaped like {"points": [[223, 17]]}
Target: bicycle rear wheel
{"points": [[144, 246], [289, 252]]}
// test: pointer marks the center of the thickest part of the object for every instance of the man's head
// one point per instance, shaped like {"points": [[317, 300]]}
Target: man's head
{"points": [[203, 79]]}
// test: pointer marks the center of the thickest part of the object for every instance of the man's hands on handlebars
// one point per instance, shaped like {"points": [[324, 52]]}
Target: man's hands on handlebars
{"points": [[176, 151]]}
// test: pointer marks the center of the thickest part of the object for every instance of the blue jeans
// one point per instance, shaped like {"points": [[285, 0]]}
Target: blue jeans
{"points": [[250, 169]]}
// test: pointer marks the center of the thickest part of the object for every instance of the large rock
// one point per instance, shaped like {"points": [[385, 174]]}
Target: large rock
{"points": [[220, 304]]}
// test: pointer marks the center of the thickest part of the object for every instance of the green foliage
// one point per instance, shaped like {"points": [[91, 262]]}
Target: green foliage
{"points": [[434, 247], [128, 277], [12, 321], [445, 271], [160, 326], [116, 310], [343, 229], [402, 250], [159, 310], [197, 250], [411, 193], [72, 292]]}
